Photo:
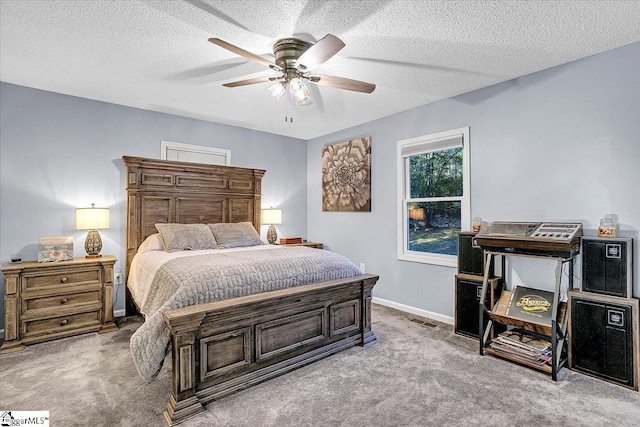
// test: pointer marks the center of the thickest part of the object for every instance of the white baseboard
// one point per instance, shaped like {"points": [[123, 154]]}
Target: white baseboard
{"points": [[413, 310]]}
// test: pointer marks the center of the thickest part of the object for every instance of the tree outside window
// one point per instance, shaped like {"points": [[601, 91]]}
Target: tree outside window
{"points": [[435, 178], [434, 205]]}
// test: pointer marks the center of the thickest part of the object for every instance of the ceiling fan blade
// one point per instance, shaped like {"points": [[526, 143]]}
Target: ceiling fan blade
{"points": [[342, 83], [320, 52], [246, 54], [251, 81]]}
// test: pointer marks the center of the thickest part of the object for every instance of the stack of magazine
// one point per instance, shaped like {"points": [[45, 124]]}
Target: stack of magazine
{"points": [[519, 343]]}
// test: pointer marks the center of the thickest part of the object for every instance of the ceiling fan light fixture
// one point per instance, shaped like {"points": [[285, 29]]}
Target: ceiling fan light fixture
{"points": [[299, 91], [295, 84], [277, 90], [294, 58]]}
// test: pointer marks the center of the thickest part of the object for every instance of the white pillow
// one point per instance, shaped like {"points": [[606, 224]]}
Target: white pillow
{"points": [[152, 243]]}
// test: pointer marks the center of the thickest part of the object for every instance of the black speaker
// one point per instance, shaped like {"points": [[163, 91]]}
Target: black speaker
{"points": [[607, 266], [603, 337], [468, 289], [470, 256]]}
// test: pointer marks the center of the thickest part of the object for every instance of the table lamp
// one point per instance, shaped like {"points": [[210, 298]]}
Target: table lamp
{"points": [[272, 217], [92, 219]]}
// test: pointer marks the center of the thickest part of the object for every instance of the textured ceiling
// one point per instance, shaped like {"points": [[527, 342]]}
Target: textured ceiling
{"points": [[155, 55]]}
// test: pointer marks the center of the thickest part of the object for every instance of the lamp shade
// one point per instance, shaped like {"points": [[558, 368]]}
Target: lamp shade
{"points": [[272, 216], [92, 218], [278, 90], [299, 91]]}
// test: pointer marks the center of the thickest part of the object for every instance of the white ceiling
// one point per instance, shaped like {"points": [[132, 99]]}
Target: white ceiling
{"points": [[155, 55]]}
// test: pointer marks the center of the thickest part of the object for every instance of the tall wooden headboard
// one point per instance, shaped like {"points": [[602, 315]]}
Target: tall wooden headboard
{"points": [[165, 191]]}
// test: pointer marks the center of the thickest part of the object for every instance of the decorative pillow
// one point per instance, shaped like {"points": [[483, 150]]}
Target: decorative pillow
{"points": [[233, 235], [151, 243], [186, 237]]}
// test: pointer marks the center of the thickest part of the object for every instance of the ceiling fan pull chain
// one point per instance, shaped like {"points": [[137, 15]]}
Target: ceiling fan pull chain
{"points": [[288, 117]]}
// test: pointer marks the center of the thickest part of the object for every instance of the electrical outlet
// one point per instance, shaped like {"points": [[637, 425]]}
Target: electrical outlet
{"points": [[118, 279], [362, 266]]}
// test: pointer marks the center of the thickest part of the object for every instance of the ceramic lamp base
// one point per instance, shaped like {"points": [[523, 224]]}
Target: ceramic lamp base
{"points": [[93, 244], [272, 235]]}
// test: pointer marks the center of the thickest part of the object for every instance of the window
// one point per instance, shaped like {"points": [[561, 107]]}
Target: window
{"points": [[194, 153], [433, 189]]}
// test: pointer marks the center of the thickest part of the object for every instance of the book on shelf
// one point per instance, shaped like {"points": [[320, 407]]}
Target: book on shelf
{"points": [[519, 343], [532, 305], [290, 240]]}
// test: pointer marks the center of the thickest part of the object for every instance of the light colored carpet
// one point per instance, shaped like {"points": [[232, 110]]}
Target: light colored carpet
{"points": [[415, 375]]}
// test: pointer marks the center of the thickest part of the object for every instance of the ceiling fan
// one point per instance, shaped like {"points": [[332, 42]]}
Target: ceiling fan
{"points": [[295, 59]]}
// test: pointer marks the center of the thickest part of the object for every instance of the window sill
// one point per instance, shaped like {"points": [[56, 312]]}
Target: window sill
{"points": [[433, 259]]}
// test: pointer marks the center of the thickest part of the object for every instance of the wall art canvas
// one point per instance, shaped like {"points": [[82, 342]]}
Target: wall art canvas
{"points": [[346, 176], [54, 249]]}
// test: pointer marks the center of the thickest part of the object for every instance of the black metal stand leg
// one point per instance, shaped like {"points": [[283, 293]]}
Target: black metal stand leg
{"points": [[554, 351], [483, 295]]}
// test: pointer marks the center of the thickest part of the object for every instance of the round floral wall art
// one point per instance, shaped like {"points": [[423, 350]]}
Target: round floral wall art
{"points": [[346, 176]]}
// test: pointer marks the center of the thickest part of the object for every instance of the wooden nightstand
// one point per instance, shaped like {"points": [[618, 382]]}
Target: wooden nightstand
{"points": [[45, 301], [309, 244]]}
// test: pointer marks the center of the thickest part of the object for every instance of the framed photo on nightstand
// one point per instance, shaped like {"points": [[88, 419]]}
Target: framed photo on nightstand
{"points": [[53, 249]]}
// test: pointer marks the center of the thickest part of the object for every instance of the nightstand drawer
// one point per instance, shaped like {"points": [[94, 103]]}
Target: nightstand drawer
{"points": [[59, 324], [51, 304], [56, 279], [49, 300]]}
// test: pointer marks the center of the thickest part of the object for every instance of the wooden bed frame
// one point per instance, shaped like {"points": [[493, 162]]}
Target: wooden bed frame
{"points": [[226, 346]]}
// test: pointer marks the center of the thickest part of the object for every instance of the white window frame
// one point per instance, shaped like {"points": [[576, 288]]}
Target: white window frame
{"points": [[423, 144], [195, 149]]}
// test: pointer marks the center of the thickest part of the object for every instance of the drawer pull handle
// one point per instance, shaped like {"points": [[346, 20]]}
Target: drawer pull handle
{"points": [[64, 300], [64, 280], [64, 322]]}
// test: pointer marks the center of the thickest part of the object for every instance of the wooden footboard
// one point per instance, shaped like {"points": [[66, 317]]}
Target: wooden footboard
{"points": [[226, 346]]}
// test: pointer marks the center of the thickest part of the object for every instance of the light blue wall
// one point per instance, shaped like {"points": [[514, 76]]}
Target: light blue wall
{"points": [[59, 152], [561, 144]]}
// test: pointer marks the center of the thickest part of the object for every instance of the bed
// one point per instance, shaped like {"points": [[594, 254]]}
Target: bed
{"points": [[240, 338]]}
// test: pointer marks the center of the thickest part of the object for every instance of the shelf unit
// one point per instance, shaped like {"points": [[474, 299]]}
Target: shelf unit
{"points": [[556, 333]]}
